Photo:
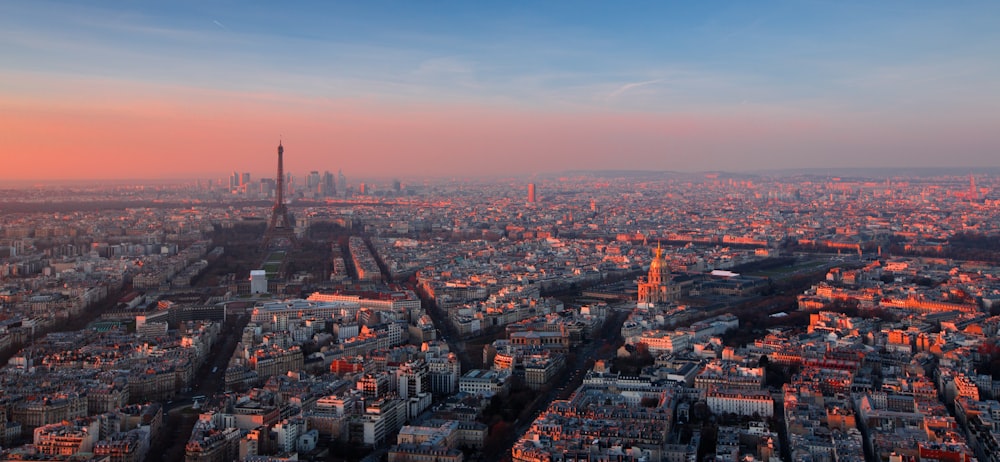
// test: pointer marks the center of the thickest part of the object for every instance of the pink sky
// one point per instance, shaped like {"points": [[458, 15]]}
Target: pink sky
{"points": [[117, 130]]}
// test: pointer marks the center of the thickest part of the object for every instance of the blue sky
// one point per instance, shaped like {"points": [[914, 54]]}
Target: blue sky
{"points": [[831, 70]]}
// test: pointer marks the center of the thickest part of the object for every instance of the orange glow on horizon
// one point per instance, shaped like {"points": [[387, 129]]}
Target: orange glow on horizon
{"points": [[156, 138], [195, 133]]}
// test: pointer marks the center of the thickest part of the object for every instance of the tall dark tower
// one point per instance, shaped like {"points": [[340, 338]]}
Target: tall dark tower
{"points": [[280, 229]]}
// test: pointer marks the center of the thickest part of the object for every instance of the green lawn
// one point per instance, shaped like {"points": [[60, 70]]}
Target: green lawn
{"points": [[273, 263], [778, 273]]}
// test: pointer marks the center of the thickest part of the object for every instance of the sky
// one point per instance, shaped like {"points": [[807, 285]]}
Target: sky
{"points": [[196, 89]]}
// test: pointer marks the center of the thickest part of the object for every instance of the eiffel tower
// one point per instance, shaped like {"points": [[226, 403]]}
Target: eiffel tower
{"points": [[280, 228]]}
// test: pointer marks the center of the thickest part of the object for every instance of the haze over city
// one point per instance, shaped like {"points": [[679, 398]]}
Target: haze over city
{"points": [[185, 89]]}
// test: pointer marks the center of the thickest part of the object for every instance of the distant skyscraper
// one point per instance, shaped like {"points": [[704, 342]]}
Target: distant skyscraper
{"points": [[266, 187], [244, 180], [531, 193], [329, 188]]}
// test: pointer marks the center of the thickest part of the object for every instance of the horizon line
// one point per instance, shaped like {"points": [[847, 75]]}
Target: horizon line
{"points": [[878, 171]]}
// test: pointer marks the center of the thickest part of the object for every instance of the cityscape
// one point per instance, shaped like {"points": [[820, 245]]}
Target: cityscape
{"points": [[583, 316], [514, 232]]}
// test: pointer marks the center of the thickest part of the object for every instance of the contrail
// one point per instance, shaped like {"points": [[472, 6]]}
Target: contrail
{"points": [[217, 23], [633, 85]]}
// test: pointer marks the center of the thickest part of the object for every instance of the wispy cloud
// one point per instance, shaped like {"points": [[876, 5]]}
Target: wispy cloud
{"points": [[632, 86]]}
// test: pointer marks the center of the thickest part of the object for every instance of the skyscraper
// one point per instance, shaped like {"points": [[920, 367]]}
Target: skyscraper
{"points": [[329, 188], [531, 193]]}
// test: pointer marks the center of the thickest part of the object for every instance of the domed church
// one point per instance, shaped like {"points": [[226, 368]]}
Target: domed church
{"points": [[656, 288]]}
